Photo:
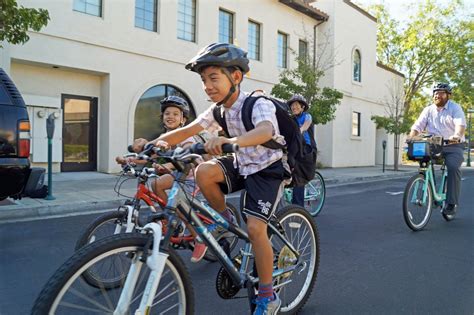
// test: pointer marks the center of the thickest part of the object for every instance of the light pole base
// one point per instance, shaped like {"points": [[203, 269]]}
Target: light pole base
{"points": [[50, 198]]}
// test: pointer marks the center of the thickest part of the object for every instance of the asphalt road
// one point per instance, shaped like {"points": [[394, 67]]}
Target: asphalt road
{"points": [[371, 263]]}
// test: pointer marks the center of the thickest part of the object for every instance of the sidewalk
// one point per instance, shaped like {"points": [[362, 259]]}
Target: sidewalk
{"points": [[82, 192]]}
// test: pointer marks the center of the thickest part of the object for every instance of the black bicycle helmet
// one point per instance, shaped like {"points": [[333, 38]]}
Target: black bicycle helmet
{"points": [[440, 86], [220, 55], [298, 98], [175, 101]]}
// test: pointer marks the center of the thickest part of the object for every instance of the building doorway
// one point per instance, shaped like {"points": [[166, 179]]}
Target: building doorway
{"points": [[79, 133]]}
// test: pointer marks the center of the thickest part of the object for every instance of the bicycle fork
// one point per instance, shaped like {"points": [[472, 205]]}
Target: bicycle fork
{"points": [[156, 262]]}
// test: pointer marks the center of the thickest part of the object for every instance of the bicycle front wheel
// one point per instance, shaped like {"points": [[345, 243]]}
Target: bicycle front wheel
{"points": [[300, 230], [67, 292], [315, 195], [417, 207]]}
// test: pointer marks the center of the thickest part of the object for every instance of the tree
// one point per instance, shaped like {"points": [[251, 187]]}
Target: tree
{"points": [[433, 44], [16, 21], [395, 121], [304, 80]]}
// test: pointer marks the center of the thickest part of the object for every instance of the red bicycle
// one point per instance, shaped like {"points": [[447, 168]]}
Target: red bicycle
{"points": [[127, 219]]}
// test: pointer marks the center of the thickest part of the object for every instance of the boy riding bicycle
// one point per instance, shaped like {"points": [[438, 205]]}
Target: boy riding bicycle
{"points": [[258, 169]]}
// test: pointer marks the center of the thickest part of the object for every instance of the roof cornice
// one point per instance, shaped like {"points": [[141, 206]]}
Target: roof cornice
{"points": [[306, 9]]}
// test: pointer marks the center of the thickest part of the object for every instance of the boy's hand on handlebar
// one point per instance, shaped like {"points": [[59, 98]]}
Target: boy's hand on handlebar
{"points": [[214, 145], [162, 145]]}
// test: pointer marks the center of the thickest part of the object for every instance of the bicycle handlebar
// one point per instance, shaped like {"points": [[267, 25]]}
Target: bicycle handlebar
{"points": [[198, 148]]}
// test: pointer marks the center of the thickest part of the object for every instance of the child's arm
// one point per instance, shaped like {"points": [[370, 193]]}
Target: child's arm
{"points": [[176, 136], [307, 122]]}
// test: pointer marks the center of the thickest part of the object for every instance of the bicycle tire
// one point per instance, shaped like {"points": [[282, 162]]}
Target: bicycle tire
{"points": [[409, 212], [298, 220], [314, 200], [87, 234], [130, 244], [93, 276]]}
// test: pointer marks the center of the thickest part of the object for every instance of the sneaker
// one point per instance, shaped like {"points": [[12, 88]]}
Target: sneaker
{"points": [[199, 251], [267, 306], [450, 209]]}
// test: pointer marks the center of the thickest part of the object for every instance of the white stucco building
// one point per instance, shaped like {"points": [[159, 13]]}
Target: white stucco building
{"points": [[105, 64]]}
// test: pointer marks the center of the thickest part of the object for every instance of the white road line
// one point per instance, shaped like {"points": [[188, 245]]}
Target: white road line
{"points": [[394, 193]]}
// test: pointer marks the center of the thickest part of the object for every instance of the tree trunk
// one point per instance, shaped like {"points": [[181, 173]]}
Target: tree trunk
{"points": [[395, 151]]}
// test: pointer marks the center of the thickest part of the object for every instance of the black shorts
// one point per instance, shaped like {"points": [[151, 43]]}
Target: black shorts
{"points": [[263, 189]]}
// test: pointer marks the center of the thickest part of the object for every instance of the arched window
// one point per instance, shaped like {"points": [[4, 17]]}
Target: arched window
{"points": [[357, 66], [148, 123]]}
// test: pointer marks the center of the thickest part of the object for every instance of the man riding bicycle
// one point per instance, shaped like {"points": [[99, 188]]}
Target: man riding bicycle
{"points": [[445, 118]]}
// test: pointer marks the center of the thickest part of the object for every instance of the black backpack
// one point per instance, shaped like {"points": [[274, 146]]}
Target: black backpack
{"points": [[302, 164]]}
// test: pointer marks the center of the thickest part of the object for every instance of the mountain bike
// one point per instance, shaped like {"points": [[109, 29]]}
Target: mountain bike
{"points": [[157, 280], [126, 219], [314, 195], [422, 191]]}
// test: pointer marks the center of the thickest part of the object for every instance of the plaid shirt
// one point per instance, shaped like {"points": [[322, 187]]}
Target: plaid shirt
{"points": [[251, 159], [440, 122]]}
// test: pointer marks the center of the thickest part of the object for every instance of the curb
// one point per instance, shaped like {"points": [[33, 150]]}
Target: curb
{"points": [[359, 179], [22, 212]]}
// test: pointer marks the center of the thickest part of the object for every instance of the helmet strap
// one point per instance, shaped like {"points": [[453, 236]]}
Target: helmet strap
{"points": [[231, 90]]}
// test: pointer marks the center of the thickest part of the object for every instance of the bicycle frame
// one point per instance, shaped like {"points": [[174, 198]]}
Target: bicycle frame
{"points": [[427, 168], [176, 202], [150, 198]]}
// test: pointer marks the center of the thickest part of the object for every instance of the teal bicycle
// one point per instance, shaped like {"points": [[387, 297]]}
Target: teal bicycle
{"points": [[422, 192], [314, 195]]}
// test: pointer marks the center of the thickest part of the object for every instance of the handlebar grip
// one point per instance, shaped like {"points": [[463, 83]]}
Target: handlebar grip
{"points": [[198, 148], [230, 148]]}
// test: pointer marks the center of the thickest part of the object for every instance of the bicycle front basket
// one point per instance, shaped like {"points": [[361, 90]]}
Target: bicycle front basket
{"points": [[419, 151]]}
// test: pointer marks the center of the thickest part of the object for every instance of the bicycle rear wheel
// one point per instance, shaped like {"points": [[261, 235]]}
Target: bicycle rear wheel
{"points": [[315, 195], [108, 224], [67, 293], [300, 230], [416, 212]]}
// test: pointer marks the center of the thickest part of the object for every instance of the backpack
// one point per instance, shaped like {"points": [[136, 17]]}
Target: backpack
{"points": [[302, 164]]}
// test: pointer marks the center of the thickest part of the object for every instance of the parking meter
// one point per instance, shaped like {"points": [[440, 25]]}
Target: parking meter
{"points": [[50, 133], [384, 145], [50, 126]]}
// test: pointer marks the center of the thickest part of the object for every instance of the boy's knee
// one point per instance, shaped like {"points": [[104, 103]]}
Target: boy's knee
{"points": [[208, 172], [256, 228]]}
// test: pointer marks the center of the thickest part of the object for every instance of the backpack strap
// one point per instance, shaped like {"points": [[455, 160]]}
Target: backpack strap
{"points": [[219, 116], [247, 109]]}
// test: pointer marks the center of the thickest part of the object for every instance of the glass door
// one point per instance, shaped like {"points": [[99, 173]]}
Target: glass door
{"points": [[79, 133]]}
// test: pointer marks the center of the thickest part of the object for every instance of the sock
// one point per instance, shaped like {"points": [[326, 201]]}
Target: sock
{"points": [[265, 291], [227, 214]]}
